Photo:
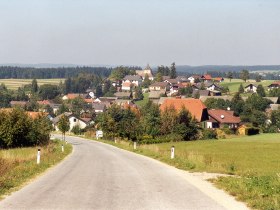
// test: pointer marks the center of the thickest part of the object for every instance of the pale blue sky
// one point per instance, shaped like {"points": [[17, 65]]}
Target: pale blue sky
{"points": [[113, 32]]}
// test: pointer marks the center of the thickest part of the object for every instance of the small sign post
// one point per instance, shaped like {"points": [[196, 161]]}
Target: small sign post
{"points": [[172, 152], [134, 145], [99, 134], [38, 156]]}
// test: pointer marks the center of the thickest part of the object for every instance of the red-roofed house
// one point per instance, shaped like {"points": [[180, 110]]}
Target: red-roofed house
{"points": [[195, 106], [206, 77], [274, 85], [219, 118]]}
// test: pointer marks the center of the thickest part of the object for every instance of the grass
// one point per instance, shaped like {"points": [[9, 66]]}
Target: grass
{"points": [[235, 83], [19, 165], [14, 84], [254, 160], [144, 101]]}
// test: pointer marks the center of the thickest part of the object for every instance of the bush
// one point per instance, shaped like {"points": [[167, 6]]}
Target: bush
{"points": [[252, 131], [161, 139], [209, 134], [76, 130]]}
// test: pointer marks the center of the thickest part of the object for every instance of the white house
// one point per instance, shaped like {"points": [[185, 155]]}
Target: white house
{"points": [[134, 79], [82, 123], [250, 88]]}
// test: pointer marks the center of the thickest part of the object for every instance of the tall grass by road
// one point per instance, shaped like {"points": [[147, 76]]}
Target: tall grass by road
{"points": [[255, 161], [17, 166]]}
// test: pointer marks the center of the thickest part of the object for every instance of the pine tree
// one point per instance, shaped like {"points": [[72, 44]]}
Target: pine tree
{"points": [[173, 73], [34, 86], [261, 91], [241, 89]]}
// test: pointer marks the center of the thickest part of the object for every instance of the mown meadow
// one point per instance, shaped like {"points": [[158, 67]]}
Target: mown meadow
{"points": [[254, 162], [19, 165], [14, 84]]}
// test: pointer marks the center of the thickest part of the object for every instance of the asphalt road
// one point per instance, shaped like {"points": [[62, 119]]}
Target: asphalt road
{"points": [[100, 176]]}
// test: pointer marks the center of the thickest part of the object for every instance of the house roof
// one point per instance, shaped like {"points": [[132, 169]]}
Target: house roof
{"points": [[160, 84], [98, 106], [19, 103], [206, 76], [274, 106], [201, 93], [165, 77], [56, 119], [74, 95], [276, 83], [132, 77], [172, 81], [223, 116], [122, 94], [34, 115], [218, 78], [194, 106], [126, 84], [44, 102], [251, 85], [182, 79], [203, 98], [88, 100]]}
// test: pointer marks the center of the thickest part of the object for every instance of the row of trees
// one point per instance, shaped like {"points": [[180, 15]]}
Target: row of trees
{"points": [[133, 124], [17, 129], [7, 72], [166, 71]]}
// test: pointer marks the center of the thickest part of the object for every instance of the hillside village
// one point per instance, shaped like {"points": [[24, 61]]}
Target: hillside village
{"points": [[250, 110], [205, 97]]}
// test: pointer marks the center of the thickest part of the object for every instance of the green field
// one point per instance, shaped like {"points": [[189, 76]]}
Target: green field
{"points": [[17, 166], [14, 84], [235, 83], [254, 161]]}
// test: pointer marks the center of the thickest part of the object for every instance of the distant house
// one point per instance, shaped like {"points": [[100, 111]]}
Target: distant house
{"points": [[126, 86], [160, 86], [73, 120], [213, 86], [219, 79], [200, 93], [156, 94], [193, 78], [123, 95], [71, 96], [171, 81], [147, 71], [250, 88], [133, 79], [98, 107], [206, 77], [21, 104], [219, 118], [195, 106], [181, 79], [274, 85]]}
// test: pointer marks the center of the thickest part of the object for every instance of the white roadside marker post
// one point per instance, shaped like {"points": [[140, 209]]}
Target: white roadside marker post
{"points": [[115, 140], [134, 145], [172, 152], [62, 148], [38, 156]]}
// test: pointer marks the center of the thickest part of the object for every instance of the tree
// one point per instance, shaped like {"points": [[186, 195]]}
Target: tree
{"points": [[237, 104], [151, 119], [63, 125], [186, 125], [173, 73], [34, 86], [147, 82], [98, 92], [158, 77], [261, 91], [241, 89], [258, 118], [48, 91], [77, 105], [275, 118], [138, 93], [258, 78], [244, 75], [168, 120], [229, 75]]}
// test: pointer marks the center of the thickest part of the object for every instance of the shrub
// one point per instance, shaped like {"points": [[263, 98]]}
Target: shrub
{"points": [[252, 131], [76, 130], [209, 134]]}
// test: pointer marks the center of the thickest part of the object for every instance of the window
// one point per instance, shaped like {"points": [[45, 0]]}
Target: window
{"points": [[74, 119]]}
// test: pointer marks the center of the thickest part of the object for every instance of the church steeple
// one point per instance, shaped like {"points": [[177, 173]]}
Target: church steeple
{"points": [[148, 67]]}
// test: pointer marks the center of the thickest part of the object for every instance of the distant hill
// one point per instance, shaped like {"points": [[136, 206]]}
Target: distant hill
{"points": [[224, 68]]}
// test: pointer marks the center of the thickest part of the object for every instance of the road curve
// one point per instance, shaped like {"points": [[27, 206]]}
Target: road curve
{"points": [[100, 176]]}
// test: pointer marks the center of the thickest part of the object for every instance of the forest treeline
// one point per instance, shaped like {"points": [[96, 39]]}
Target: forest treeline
{"points": [[9, 72]]}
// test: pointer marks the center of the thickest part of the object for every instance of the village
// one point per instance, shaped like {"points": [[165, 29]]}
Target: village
{"points": [[203, 96]]}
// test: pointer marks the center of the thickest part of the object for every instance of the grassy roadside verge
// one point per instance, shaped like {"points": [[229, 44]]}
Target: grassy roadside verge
{"points": [[19, 165], [254, 159]]}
